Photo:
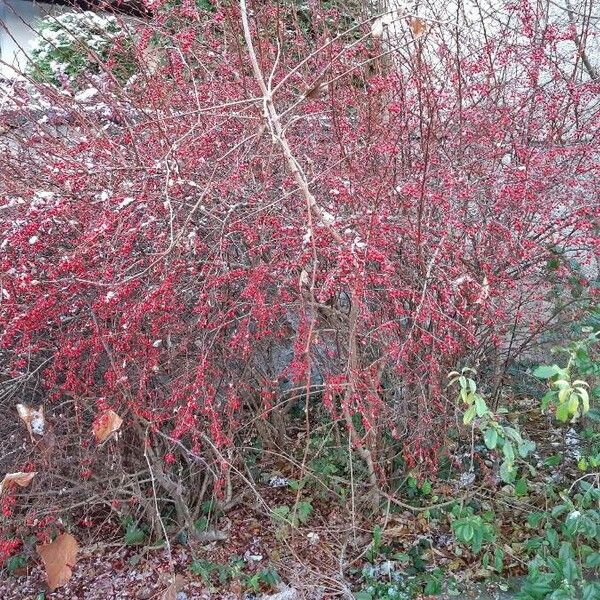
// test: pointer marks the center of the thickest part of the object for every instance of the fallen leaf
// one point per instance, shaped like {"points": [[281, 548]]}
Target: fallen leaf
{"points": [[107, 423], [59, 559], [417, 26], [21, 479], [176, 584]]}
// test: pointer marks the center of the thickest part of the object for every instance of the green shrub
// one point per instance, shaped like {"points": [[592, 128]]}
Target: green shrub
{"points": [[73, 43]]}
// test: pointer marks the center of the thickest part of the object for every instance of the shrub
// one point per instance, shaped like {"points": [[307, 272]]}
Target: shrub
{"points": [[312, 221], [75, 43]]}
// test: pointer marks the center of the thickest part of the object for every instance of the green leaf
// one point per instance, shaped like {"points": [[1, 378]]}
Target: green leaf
{"points": [[553, 461], [509, 452], [491, 438], [498, 559], [590, 591], [548, 398], [560, 595], [593, 560], [570, 570], [464, 530], [562, 412], [480, 406], [525, 448], [434, 586], [535, 518], [469, 414], [537, 585], [304, 511], [546, 371], [507, 472], [134, 536], [594, 414], [12, 563], [521, 487], [566, 551], [573, 404], [281, 513], [513, 434], [561, 384], [401, 556], [477, 542], [203, 568], [552, 537]]}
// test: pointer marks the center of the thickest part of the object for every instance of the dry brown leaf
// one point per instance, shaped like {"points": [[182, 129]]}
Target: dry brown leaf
{"points": [[107, 423], [59, 559], [21, 479], [417, 26], [175, 585]]}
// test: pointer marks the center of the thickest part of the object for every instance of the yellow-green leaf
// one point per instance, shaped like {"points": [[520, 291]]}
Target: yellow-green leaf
{"points": [[469, 414], [573, 403], [562, 412], [564, 393]]}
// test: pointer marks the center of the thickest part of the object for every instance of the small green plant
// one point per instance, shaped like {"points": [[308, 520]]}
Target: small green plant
{"points": [[375, 547], [284, 517], [264, 579], [73, 43], [477, 532], [566, 552], [135, 534], [398, 579], [506, 438], [590, 458], [212, 572], [570, 396]]}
